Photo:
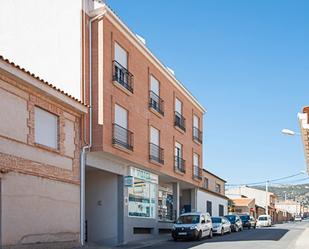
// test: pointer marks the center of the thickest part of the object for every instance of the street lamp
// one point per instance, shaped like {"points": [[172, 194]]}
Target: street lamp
{"points": [[290, 132]]}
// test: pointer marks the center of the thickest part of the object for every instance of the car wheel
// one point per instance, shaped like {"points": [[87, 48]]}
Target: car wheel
{"points": [[210, 234], [230, 230], [199, 237], [222, 232]]}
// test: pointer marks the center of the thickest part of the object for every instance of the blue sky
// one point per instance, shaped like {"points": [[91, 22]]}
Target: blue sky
{"points": [[248, 63]]}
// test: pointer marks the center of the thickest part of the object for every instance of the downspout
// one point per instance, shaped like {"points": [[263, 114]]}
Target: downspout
{"points": [[86, 147]]}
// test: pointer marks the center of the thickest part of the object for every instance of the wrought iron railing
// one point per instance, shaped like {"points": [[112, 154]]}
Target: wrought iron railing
{"points": [[197, 172], [197, 135], [122, 137], [122, 76], [180, 164], [156, 103], [156, 153], [180, 121]]}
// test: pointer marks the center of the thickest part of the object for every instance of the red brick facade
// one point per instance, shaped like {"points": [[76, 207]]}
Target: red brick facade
{"points": [[140, 117]]}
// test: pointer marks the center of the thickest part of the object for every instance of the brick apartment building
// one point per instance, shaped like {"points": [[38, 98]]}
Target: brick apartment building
{"points": [[40, 141], [303, 119], [145, 166]]}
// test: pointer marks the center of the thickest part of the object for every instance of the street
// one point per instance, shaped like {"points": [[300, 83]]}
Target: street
{"points": [[283, 236]]}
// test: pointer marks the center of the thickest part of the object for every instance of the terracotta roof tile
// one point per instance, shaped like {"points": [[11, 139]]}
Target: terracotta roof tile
{"points": [[242, 201]]}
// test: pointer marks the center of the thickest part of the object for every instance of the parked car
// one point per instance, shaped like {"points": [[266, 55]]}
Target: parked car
{"points": [[253, 222], [297, 218], [221, 225], [264, 221], [245, 218], [192, 225], [236, 223]]}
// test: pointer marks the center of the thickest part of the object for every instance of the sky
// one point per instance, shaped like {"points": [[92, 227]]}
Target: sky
{"points": [[247, 62]]}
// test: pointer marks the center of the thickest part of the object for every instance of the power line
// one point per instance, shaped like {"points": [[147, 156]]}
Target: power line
{"points": [[264, 182]]}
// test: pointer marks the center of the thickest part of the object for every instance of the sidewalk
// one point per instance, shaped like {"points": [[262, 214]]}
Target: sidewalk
{"points": [[131, 245], [303, 240]]}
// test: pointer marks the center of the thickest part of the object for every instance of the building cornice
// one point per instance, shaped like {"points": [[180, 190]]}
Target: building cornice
{"points": [[116, 21]]}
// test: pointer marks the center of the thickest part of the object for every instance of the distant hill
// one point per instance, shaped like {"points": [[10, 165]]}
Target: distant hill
{"points": [[293, 192]]}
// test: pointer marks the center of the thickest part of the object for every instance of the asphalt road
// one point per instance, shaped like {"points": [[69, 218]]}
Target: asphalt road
{"points": [[283, 236]]}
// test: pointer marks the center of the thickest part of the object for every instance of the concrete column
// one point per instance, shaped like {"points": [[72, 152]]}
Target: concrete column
{"points": [[120, 223], [194, 200], [176, 198]]}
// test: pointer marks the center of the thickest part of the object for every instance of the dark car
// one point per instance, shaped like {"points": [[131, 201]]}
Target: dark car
{"points": [[236, 223], [246, 222]]}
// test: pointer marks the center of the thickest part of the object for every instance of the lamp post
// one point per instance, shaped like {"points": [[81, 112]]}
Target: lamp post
{"points": [[290, 132]]}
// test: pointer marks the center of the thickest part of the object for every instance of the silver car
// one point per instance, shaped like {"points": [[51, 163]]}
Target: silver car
{"points": [[221, 225]]}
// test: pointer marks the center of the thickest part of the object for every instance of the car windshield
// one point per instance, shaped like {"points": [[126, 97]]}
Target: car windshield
{"points": [[231, 218], [263, 218], [216, 220], [188, 219], [245, 217]]}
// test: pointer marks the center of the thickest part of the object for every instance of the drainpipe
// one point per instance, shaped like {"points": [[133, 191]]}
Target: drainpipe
{"points": [[86, 147]]}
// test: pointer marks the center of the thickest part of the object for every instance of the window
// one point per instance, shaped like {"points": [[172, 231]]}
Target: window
{"points": [[179, 162], [209, 207], [180, 121], [155, 102], [221, 210], [121, 56], [197, 173], [46, 128], [178, 106], [165, 202], [206, 183], [142, 199], [218, 188], [121, 135], [156, 153], [197, 134], [121, 74]]}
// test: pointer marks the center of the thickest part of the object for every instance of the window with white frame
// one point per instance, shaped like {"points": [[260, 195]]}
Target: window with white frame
{"points": [[46, 128], [121, 56]]}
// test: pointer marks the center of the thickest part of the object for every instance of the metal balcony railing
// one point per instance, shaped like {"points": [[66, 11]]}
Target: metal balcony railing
{"points": [[197, 172], [197, 135], [122, 76], [122, 137], [180, 164], [156, 153], [156, 103], [180, 121]]}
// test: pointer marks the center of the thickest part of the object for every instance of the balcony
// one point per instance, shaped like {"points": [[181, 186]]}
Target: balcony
{"points": [[122, 76], [122, 137], [197, 135], [156, 103], [197, 172], [180, 164], [180, 121], [156, 153]]}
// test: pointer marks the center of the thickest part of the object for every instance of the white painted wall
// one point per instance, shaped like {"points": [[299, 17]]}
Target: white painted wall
{"points": [[44, 36], [203, 197], [101, 206], [258, 195]]}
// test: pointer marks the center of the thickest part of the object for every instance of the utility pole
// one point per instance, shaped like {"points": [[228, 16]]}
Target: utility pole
{"points": [[266, 209]]}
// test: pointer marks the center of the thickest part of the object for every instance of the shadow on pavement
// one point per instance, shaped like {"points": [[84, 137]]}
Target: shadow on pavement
{"points": [[267, 234]]}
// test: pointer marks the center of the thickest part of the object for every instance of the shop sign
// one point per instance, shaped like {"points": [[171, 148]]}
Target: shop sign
{"points": [[144, 175], [128, 181]]}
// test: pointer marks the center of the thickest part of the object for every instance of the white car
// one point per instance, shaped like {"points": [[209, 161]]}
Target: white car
{"points": [[264, 221], [192, 225], [221, 225], [297, 218]]}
